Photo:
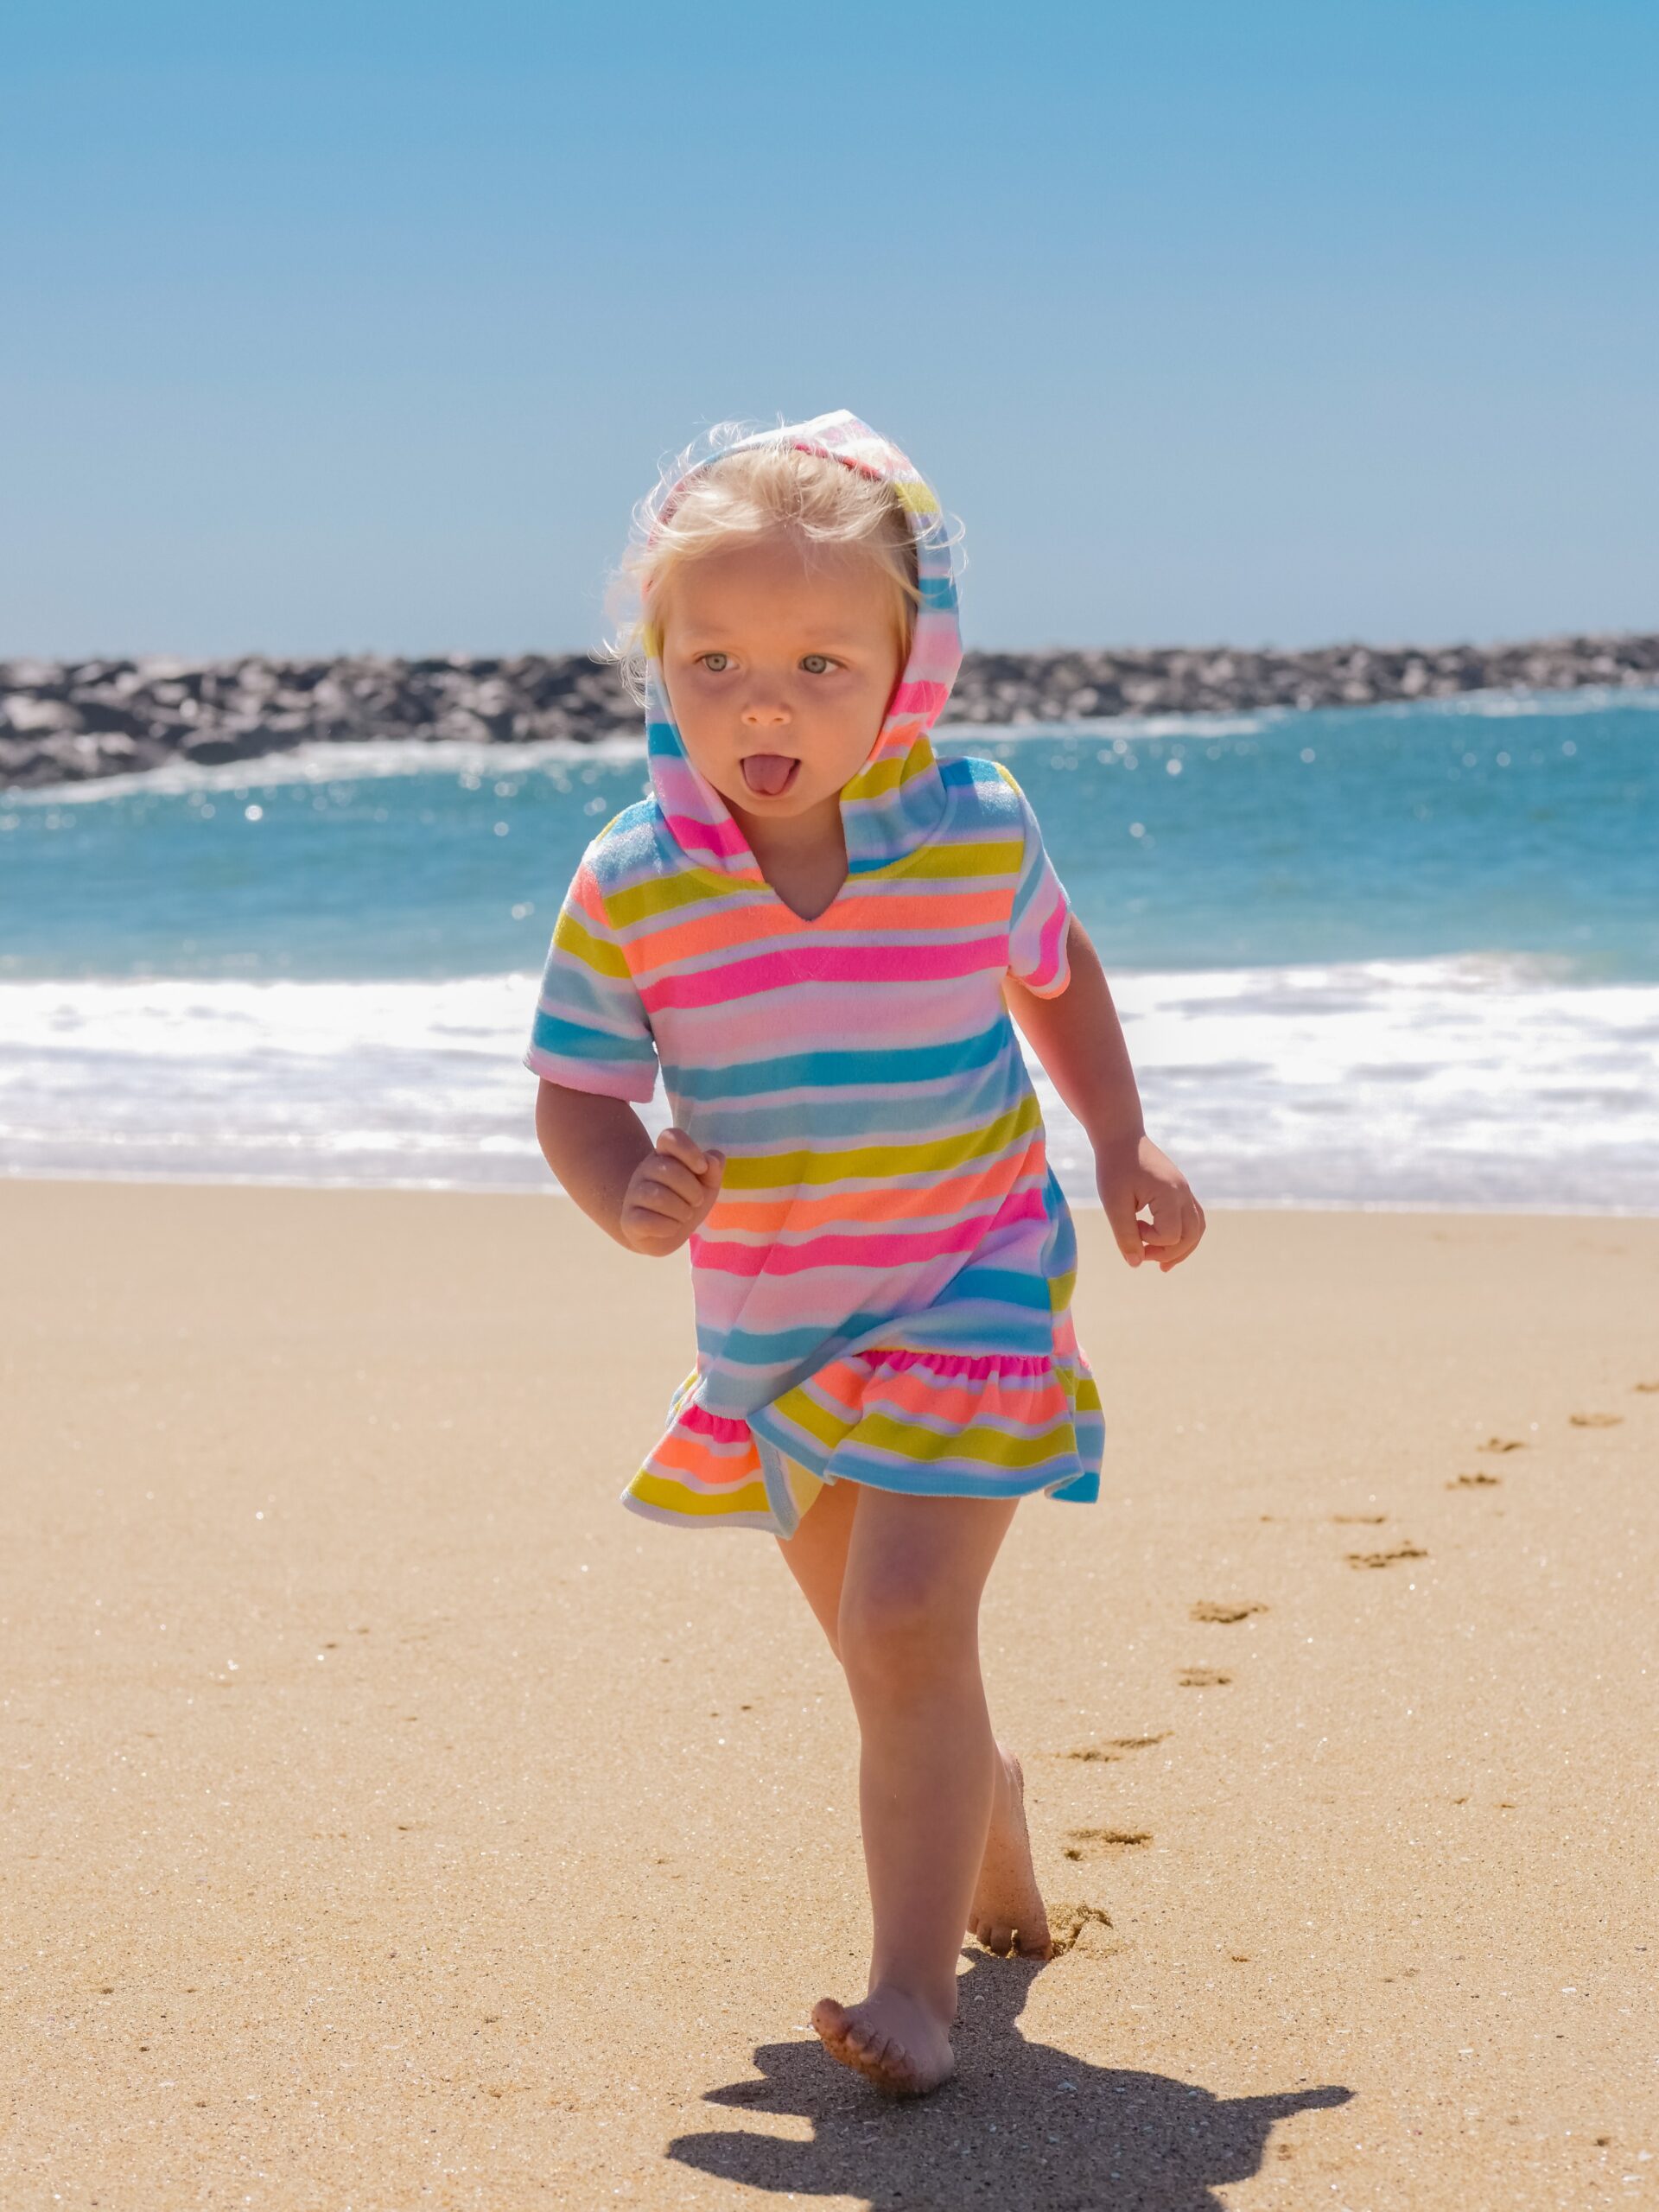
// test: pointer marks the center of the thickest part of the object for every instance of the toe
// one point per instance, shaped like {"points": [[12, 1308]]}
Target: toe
{"points": [[895, 2066]]}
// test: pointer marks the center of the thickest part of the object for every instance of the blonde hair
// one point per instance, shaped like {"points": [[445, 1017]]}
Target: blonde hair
{"points": [[709, 496]]}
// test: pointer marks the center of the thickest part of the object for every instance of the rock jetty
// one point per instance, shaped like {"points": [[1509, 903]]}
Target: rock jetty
{"points": [[68, 721]]}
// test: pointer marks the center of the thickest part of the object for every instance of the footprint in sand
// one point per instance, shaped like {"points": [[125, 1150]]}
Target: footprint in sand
{"points": [[1644, 1386], [1115, 1747], [1203, 1678], [1503, 1444], [1370, 1520], [1595, 1421], [1474, 1482], [1083, 1928], [1096, 1843], [1386, 1559], [1212, 1608]]}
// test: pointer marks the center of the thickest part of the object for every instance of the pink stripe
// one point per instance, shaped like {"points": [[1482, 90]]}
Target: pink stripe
{"points": [[702, 1422], [1049, 944], [977, 1370], [812, 962], [788, 1021], [864, 1252], [709, 836], [917, 698]]}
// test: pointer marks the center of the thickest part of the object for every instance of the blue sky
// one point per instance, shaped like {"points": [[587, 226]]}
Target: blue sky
{"points": [[361, 326]]}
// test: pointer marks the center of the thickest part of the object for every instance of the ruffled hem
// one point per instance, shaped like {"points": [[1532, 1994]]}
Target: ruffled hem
{"points": [[924, 1423]]}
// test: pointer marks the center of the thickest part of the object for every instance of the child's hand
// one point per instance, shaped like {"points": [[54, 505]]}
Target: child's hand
{"points": [[1134, 1173], [669, 1193]]}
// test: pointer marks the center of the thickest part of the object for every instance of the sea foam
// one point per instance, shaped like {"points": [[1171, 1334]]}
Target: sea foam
{"points": [[1465, 1082]]}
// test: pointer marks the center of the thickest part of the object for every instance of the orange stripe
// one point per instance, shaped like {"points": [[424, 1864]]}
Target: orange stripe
{"points": [[718, 1467], [1037, 1403], [702, 933], [838, 1389], [762, 1212], [585, 893]]}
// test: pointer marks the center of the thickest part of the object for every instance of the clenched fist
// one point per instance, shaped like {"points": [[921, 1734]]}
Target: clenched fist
{"points": [[669, 1193]]}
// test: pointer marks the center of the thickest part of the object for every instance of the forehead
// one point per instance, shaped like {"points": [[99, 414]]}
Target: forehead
{"points": [[777, 583]]}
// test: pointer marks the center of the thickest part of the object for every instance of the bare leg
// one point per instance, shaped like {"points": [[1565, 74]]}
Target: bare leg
{"points": [[816, 1553], [908, 1632], [1006, 1911]]}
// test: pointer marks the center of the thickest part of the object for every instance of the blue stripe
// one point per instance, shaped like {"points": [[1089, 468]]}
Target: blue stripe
{"points": [[998, 799], [1000, 1286], [842, 1070], [779, 1347], [573, 1041], [860, 1117]]}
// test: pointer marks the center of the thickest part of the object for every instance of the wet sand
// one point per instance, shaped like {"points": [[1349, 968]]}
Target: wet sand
{"points": [[392, 1819]]}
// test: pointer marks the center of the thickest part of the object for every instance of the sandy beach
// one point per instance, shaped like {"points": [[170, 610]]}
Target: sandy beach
{"points": [[392, 1819]]}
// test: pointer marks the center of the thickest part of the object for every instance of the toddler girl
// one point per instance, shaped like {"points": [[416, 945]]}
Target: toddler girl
{"points": [[816, 931]]}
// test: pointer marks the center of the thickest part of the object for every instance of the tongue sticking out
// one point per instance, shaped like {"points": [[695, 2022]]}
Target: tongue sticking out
{"points": [[768, 774]]}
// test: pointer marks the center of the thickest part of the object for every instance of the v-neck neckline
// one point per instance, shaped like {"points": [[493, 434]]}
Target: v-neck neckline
{"points": [[807, 921]]}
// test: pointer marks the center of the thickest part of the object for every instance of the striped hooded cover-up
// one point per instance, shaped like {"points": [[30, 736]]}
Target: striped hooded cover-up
{"points": [[883, 1284]]}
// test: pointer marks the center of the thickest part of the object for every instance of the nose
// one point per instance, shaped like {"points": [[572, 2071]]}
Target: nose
{"points": [[764, 714]]}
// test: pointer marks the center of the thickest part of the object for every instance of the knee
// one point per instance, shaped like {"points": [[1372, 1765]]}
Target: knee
{"points": [[898, 1625]]}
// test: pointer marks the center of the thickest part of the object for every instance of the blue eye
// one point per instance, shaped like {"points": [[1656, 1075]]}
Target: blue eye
{"points": [[822, 661], [714, 663]]}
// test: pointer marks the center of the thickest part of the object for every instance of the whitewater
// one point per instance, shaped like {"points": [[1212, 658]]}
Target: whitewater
{"points": [[1398, 956]]}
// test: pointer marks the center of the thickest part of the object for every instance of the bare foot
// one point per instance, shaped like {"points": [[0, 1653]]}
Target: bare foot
{"points": [[890, 2039], [1006, 1913]]}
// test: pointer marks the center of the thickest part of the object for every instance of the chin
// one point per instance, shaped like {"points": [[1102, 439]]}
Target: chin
{"points": [[785, 803]]}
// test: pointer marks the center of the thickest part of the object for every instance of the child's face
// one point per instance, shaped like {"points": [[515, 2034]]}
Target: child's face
{"points": [[779, 660]]}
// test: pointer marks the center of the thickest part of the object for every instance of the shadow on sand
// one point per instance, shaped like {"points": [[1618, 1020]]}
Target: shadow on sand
{"points": [[1022, 2124]]}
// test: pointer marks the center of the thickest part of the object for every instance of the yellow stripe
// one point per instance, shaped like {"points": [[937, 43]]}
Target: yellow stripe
{"points": [[889, 775], [570, 935], [943, 860], [876, 1160], [916, 497], [803, 1485], [676, 1498], [872, 782], [1061, 1288], [916, 760], [1001, 858], [644, 901], [803, 1412], [995, 1448]]}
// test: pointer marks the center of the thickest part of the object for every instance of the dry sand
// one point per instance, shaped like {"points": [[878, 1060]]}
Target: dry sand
{"points": [[392, 1820]]}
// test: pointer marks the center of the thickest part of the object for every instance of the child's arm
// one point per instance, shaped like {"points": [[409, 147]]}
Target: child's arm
{"points": [[1078, 1039], [649, 1197]]}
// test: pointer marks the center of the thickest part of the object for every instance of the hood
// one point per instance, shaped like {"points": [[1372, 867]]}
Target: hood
{"points": [[897, 799]]}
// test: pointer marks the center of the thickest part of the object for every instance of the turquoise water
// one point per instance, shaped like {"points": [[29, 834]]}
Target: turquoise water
{"points": [[1379, 833], [1393, 955]]}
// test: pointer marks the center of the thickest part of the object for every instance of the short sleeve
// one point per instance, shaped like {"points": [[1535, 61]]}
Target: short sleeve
{"points": [[1037, 924], [590, 1033]]}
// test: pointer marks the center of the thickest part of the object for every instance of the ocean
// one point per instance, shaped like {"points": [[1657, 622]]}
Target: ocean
{"points": [[1393, 956]]}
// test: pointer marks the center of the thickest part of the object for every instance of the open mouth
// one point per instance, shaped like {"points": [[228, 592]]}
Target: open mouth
{"points": [[769, 775]]}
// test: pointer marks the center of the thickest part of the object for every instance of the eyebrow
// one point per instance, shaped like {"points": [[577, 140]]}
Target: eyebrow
{"points": [[822, 640]]}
